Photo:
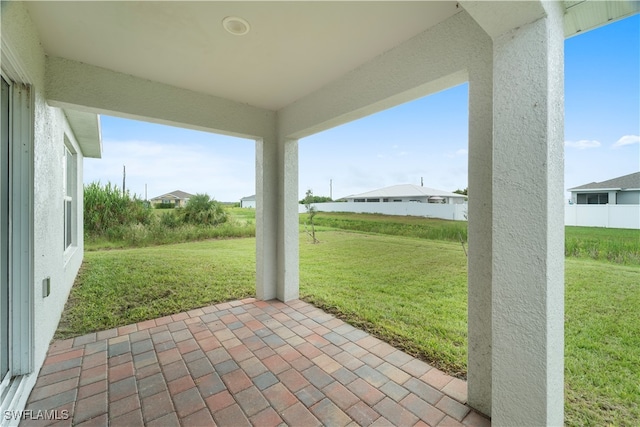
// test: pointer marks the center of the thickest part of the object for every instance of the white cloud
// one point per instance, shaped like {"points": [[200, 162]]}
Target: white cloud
{"points": [[626, 140], [458, 153], [194, 168], [582, 144]]}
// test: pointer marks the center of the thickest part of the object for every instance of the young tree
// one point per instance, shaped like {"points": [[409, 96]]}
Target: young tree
{"points": [[311, 212]]}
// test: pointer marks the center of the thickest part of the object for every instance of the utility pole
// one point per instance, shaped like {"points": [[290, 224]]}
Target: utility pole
{"points": [[331, 189], [124, 176], [145, 192], [421, 182]]}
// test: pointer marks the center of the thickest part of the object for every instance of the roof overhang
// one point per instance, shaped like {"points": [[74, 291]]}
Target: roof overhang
{"points": [[86, 129], [583, 15], [292, 49], [166, 196], [594, 190], [309, 65]]}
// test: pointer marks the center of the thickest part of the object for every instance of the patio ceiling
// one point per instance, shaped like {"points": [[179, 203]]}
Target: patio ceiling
{"points": [[292, 49]]}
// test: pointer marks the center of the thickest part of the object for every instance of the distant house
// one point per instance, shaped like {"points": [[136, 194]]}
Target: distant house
{"points": [[248, 202], [407, 193], [177, 198], [624, 190]]}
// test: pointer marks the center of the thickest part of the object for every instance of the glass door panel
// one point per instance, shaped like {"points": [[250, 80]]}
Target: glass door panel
{"points": [[4, 232]]}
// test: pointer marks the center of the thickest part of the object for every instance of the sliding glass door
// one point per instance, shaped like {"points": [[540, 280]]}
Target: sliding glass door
{"points": [[4, 233]]}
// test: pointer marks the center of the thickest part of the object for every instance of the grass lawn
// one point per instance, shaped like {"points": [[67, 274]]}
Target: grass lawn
{"points": [[119, 287], [621, 246], [409, 291], [602, 343]]}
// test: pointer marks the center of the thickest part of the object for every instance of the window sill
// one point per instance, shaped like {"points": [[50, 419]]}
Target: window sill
{"points": [[69, 253]]}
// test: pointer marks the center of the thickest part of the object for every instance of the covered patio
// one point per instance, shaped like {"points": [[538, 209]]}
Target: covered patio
{"points": [[276, 72], [241, 363]]}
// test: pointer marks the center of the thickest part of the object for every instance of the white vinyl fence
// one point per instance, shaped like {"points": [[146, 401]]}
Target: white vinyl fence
{"points": [[456, 212], [609, 216]]}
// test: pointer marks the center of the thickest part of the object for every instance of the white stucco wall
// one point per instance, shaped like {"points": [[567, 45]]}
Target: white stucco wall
{"points": [[50, 126]]}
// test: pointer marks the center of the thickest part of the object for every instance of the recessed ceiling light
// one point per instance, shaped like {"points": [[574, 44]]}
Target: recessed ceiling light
{"points": [[236, 26]]}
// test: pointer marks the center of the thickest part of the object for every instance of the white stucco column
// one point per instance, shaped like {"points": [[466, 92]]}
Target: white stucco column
{"points": [[277, 259], [266, 218], [480, 237], [528, 229], [288, 234]]}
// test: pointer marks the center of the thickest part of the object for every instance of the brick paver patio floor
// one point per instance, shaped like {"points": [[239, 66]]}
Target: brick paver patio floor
{"points": [[249, 362]]}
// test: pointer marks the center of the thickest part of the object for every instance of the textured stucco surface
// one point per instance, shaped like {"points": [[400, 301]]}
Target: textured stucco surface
{"points": [[528, 264], [94, 89], [480, 232], [49, 259], [277, 252], [266, 217], [288, 244], [430, 62]]}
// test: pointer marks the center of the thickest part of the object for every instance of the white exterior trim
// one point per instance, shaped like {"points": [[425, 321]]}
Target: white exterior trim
{"points": [[20, 249], [12, 66], [21, 274]]}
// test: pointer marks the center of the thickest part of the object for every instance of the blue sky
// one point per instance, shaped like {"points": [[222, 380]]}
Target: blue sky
{"points": [[426, 138]]}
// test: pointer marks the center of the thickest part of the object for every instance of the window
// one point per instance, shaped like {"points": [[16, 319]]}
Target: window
{"points": [[358, 200], [69, 196], [373, 200], [593, 198]]}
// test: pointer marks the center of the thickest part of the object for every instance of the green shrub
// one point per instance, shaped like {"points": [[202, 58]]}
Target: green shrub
{"points": [[315, 199], [171, 219], [202, 210], [164, 206]]}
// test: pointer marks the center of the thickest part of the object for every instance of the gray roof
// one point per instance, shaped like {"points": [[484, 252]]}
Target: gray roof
{"points": [[631, 181], [404, 190], [180, 195], [248, 198]]}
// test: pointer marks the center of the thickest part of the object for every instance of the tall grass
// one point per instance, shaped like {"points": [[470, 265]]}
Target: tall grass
{"points": [[106, 207], [620, 246], [137, 236], [425, 228], [114, 220]]}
